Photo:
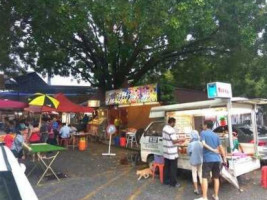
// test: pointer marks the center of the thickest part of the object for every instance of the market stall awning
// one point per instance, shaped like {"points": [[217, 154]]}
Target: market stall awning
{"points": [[39, 109], [66, 105], [6, 104]]}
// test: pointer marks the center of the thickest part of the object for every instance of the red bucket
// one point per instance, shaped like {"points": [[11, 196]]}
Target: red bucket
{"points": [[123, 142]]}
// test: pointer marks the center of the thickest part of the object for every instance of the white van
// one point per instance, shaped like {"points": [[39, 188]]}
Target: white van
{"points": [[151, 144], [191, 116]]}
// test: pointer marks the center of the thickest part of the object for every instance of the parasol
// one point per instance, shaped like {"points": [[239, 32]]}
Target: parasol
{"points": [[39, 99], [227, 175]]}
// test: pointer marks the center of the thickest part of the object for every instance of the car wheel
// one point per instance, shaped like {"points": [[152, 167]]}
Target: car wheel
{"points": [[150, 161]]}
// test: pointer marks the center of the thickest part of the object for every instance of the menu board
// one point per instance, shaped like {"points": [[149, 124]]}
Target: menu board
{"points": [[184, 123]]}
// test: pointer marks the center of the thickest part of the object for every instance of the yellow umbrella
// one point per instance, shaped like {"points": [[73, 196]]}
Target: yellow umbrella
{"points": [[40, 99]]}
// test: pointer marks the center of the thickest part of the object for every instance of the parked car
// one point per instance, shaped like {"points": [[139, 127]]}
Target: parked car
{"points": [[14, 185]]}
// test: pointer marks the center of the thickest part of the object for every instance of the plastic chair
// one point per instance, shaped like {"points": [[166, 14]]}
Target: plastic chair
{"points": [[161, 167], [264, 177]]}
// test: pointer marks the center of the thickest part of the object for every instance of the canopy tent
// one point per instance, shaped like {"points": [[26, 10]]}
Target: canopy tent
{"points": [[66, 105], [39, 109], [6, 104]]}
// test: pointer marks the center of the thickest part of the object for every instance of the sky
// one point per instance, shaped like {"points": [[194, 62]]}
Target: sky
{"points": [[59, 80]]}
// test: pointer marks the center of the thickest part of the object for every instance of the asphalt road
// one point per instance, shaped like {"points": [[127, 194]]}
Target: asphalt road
{"points": [[93, 176]]}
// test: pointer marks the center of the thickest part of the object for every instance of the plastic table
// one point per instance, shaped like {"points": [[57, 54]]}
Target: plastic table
{"points": [[44, 148]]}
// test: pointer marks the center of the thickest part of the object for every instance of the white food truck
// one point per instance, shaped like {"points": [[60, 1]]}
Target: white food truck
{"points": [[190, 116]]}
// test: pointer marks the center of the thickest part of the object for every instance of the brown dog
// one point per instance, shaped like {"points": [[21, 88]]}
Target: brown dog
{"points": [[145, 173]]}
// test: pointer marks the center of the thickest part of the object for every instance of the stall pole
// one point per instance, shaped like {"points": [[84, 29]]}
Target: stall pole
{"points": [[111, 129], [230, 130], [255, 129], [109, 147]]}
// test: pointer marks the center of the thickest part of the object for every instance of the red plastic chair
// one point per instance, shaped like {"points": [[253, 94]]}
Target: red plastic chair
{"points": [[161, 167], [264, 177]]}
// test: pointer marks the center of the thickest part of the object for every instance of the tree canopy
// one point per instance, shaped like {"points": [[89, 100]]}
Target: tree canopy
{"points": [[110, 42]]}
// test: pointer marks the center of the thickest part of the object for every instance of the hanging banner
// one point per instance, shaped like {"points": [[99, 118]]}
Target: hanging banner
{"points": [[132, 95]]}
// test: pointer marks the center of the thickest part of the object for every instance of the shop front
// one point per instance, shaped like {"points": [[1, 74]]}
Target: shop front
{"points": [[130, 107]]}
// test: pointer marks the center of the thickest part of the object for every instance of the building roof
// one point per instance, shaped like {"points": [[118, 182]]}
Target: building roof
{"points": [[20, 87]]}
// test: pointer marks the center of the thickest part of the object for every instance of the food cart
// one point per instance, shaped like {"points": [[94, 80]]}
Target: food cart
{"points": [[190, 116]]}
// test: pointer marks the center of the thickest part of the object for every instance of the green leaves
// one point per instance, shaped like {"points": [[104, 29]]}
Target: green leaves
{"points": [[109, 42]]}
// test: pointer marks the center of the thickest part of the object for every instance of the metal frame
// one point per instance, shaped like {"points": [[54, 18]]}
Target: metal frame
{"points": [[46, 165]]}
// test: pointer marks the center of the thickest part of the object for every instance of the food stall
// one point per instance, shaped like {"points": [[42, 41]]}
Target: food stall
{"points": [[96, 127], [190, 116], [129, 104]]}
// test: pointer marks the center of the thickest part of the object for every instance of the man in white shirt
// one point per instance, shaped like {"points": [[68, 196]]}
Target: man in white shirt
{"points": [[170, 153], [65, 131]]}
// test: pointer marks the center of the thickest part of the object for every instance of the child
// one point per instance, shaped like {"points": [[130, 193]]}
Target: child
{"points": [[195, 151]]}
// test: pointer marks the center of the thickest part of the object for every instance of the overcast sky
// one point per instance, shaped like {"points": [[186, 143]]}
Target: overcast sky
{"points": [[59, 80]]}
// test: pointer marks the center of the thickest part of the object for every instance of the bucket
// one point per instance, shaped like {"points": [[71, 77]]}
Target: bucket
{"points": [[123, 142], [116, 141], [82, 144]]}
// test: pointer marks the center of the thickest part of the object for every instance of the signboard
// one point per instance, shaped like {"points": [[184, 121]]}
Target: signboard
{"points": [[184, 123], [219, 90], [132, 95], [94, 103]]}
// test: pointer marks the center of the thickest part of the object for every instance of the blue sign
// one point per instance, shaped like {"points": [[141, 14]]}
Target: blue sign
{"points": [[212, 90], [219, 90]]}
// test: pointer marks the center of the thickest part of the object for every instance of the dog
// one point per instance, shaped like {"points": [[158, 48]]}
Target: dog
{"points": [[145, 173]]}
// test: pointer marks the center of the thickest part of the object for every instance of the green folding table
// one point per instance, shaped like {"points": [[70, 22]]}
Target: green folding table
{"points": [[41, 148]]}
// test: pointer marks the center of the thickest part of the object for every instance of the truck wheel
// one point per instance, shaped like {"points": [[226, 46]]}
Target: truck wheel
{"points": [[150, 161]]}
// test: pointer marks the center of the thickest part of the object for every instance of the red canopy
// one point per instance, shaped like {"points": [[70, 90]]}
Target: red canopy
{"points": [[65, 105], [9, 104], [39, 109]]}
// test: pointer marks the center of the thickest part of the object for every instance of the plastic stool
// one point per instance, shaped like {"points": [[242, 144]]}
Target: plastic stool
{"points": [[161, 167], [64, 142], [264, 177], [131, 139]]}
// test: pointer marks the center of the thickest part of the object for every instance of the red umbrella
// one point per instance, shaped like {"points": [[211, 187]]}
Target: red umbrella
{"points": [[6, 104]]}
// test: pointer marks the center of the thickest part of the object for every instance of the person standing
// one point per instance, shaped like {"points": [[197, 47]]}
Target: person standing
{"points": [[17, 146], [170, 153], [195, 151], [211, 159]]}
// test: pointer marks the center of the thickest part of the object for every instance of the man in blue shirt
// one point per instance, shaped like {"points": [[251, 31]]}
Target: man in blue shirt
{"points": [[65, 131], [211, 159]]}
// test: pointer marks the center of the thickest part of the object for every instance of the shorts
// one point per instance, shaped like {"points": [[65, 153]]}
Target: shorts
{"points": [[214, 167]]}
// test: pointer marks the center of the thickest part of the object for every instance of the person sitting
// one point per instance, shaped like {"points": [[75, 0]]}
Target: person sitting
{"points": [[17, 146], [35, 136], [64, 132], [8, 139]]}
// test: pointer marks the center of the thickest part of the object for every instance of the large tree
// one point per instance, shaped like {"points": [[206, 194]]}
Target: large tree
{"points": [[109, 42]]}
